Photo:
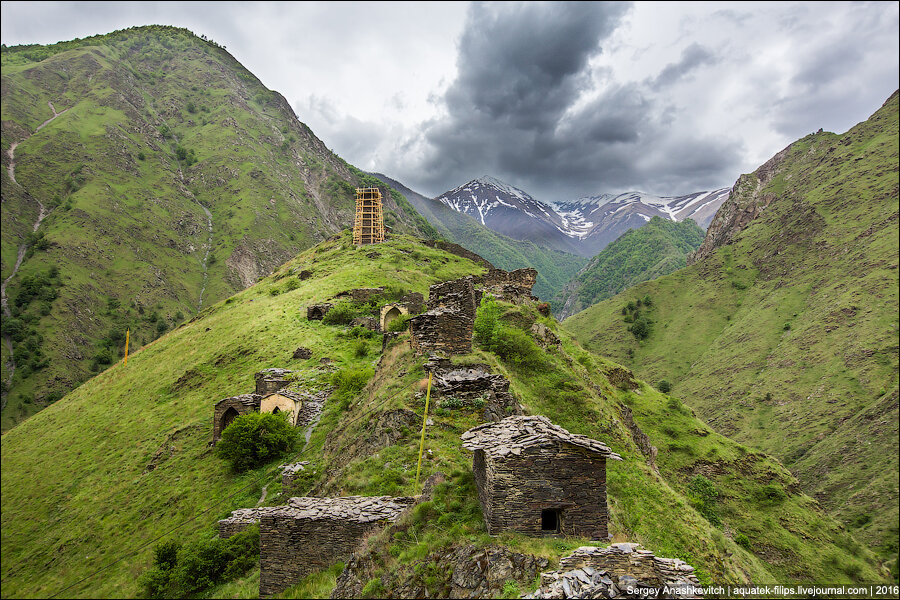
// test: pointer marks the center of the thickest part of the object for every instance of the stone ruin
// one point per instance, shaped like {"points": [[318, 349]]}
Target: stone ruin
{"points": [[447, 325], [317, 312], [310, 534], [513, 286], [272, 380], [471, 385], [228, 409], [272, 396], [536, 478], [620, 571], [289, 475]]}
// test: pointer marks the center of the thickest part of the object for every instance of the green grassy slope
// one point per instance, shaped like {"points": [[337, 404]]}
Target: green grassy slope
{"points": [[555, 268], [656, 249], [78, 493], [173, 177], [788, 337]]}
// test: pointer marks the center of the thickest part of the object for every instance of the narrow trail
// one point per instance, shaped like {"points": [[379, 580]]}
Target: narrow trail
{"points": [[20, 255]]}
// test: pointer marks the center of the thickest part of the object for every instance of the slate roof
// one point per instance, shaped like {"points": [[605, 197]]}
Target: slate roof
{"points": [[361, 509], [513, 434], [245, 399]]}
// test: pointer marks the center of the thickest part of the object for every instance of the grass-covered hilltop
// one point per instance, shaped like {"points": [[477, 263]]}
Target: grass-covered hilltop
{"points": [[146, 175], [123, 463], [783, 333]]}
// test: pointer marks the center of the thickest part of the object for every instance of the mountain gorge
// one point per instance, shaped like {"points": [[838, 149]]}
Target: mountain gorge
{"points": [[658, 248], [584, 226], [91, 483], [783, 330], [147, 174]]}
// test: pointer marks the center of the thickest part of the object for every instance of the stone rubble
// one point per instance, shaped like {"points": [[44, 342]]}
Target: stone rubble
{"points": [[620, 571]]}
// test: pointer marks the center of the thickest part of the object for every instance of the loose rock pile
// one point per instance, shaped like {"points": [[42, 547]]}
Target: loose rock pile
{"points": [[620, 571]]}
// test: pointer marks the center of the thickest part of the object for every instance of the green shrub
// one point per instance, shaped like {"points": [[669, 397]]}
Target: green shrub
{"points": [[255, 439], [640, 328], [770, 494], [341, 313], [743, 541], [360, 349], [349, 381], [508, 342], [182, 571], [704, 497], [401, 323], [664, 386]]}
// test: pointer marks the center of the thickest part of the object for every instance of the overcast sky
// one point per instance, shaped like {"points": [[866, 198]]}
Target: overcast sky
{"points": [[562, 100]]}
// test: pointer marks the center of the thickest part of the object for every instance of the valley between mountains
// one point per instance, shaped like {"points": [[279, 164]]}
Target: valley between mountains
{"points": [[737, 347]]}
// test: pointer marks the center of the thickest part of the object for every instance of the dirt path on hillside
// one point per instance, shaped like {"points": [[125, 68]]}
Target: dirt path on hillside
{"points": [[20, 255]]}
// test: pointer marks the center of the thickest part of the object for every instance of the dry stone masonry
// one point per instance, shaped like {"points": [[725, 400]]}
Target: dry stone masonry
{"points": [[620, 571], [228, 409], [536, 478], [470, 385], [514, 286], [310, 534], [271, 380]]}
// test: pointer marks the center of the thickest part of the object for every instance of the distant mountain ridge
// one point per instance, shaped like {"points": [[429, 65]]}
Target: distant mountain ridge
{"points": [[555, 267], [583, 226]]}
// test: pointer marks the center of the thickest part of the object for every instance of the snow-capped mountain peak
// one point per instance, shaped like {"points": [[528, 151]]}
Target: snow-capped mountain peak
{"points": [[583, 226]]}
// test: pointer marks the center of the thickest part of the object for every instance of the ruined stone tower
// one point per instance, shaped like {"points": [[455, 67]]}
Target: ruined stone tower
{"points": [[368, 228]]}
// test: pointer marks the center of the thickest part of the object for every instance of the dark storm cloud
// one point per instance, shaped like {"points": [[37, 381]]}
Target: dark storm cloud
{"points": [[516, 109], [692, 57]]}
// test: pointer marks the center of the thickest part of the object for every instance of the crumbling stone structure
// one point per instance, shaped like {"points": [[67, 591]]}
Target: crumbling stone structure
{"points": [[456, 295], [390, 312], [622, 570], [317, 312], [441, 330], [228, 409], [283, 401], [271, 380], [310, 534], [513, 286], [472, 383], [536, 478]]}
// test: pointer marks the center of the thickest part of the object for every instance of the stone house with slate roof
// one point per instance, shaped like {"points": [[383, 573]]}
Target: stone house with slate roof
{"points": [[310, 534], [536, 478]]}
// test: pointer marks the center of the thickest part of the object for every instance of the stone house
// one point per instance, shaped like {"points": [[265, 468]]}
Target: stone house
{"points": [[536, 478], [310, 534]]}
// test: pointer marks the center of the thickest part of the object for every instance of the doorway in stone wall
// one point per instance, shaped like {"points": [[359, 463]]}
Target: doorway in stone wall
{"points": [[230, 415]]}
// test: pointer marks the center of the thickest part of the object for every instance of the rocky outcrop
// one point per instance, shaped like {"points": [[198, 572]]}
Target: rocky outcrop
{"points": [[472, 572], [744, 204], [620, 571]]}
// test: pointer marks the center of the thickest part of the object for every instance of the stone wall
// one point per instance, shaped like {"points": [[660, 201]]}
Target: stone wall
{"points": [[242, 404], [515, 489], [622, 570], [414, 302], [292, 548], [441, 330], [317, 312], [514, 286], [456, 294], [271, 380]]}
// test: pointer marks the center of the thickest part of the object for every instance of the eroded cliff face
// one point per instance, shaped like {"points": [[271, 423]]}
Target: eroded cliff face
{"points": [[744, 204]]}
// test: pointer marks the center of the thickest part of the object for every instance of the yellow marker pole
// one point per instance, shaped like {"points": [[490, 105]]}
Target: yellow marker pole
{"points": [[127, 335], [424, 423]]}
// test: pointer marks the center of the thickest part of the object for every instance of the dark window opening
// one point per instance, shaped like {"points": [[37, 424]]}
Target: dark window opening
{"points": [[550, 519], [229, 416], [276, 411]]}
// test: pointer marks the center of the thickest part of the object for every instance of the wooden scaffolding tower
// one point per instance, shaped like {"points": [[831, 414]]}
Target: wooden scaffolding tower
{"points": [[369, 225]]}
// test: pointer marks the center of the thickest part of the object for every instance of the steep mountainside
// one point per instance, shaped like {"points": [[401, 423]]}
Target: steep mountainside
{"points": [[555, 268], [658, 248], [123, 461], [146, 174], [785, 330]]}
